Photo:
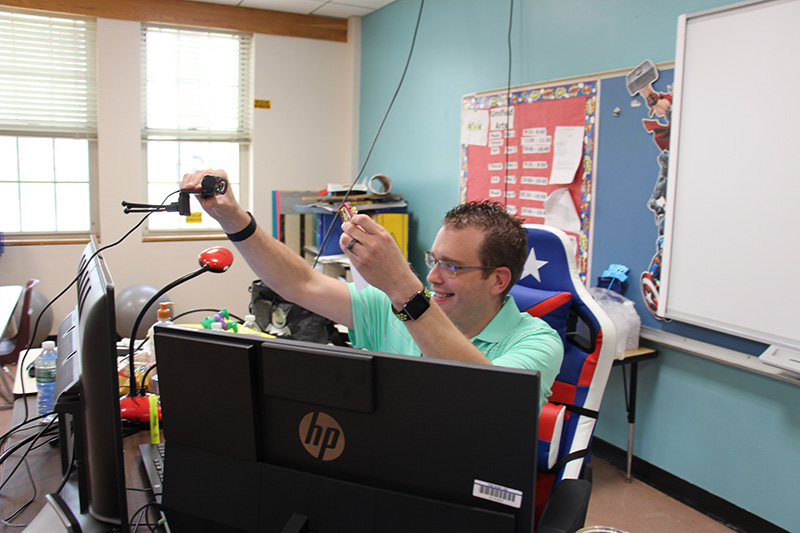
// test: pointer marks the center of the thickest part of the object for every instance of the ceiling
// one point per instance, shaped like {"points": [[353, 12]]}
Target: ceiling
{"points": [[328, 8]]}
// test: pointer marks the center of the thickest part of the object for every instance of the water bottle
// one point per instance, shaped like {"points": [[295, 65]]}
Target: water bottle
{"points": [[46, 378], [250, 325]]}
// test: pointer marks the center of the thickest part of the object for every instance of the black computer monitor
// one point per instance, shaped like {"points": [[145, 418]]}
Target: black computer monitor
{"points": [[87, 399], [276, 435]]}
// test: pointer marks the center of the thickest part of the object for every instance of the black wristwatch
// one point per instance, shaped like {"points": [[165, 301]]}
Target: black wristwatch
{"points": [[415, 306]]}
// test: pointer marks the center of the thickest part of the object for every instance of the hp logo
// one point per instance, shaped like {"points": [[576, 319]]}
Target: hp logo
{"points": [[322, 436]]}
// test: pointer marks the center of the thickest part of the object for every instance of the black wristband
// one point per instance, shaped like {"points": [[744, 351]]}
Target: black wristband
{"points": [[246, 232]]}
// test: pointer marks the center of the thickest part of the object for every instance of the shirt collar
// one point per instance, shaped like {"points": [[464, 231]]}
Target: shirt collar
{"points": [[503, 322]]}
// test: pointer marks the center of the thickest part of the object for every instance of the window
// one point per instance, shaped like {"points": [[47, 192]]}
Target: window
{"points": [[48, 124], [196, 94]]}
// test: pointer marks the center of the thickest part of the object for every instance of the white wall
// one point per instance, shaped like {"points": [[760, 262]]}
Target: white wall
{"points": [[307, 139]]}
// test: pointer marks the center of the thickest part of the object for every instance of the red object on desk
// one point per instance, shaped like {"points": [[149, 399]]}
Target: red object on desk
{"points": [[136, 408]]}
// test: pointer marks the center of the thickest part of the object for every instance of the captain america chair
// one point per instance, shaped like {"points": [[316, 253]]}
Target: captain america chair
{"points": [[551, 289]]}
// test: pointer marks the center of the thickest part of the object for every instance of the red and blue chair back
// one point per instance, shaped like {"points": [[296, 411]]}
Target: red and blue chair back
{"points": [[551, 289]]}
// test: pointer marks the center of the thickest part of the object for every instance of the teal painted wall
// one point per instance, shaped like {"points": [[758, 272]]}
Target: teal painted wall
{"points": [[729, 431], [726, 430]]}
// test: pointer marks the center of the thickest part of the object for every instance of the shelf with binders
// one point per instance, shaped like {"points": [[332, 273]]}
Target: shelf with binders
{"points": [[302, 219]]}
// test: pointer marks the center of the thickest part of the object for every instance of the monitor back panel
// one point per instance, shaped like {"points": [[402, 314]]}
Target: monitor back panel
{"points": [[407, 424]]}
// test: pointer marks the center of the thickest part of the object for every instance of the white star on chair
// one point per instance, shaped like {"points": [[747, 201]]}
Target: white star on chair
{"points": [[532, 266]]}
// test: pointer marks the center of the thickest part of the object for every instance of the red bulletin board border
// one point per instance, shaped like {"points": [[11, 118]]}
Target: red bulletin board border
{"points": [[540, 108]]}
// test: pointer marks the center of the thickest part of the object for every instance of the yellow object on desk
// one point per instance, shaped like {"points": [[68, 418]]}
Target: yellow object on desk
{"points": [[155, 436], [139, 369]]}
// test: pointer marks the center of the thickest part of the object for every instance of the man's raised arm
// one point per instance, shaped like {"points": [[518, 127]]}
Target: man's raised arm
{"points": [[274, 263]]}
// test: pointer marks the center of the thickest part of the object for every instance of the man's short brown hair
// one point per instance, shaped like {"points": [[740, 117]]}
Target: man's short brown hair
{"points": [[505, 241]]}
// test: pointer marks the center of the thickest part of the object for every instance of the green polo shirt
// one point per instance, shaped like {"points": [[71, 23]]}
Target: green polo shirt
{"points": [[511, 339]]}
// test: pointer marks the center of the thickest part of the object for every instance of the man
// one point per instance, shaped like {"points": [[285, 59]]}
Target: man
{"points": [[468, 316]]}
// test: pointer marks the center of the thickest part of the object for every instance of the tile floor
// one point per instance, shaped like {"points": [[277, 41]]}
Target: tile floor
{"points": [[637, 507]]}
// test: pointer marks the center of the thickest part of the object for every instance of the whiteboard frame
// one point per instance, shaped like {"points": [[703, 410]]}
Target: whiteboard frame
{"points": [[664, 310]]}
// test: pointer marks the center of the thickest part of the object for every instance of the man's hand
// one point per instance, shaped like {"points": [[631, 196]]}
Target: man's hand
{"points": [[376, 256], [222, 207]]}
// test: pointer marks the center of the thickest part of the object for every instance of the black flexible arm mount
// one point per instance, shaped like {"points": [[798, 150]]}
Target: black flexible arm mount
{"points": [[181, 206], [131, 363], [210, 186]]}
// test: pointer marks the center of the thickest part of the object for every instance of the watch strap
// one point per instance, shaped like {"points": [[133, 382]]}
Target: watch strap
{"points": [[422, 296]]}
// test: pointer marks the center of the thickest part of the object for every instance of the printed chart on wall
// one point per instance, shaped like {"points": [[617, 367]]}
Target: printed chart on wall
{"points": [[535, 154]]}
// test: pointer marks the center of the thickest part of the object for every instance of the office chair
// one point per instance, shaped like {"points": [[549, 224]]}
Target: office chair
{"points": [[10, 348], [551, 289]]}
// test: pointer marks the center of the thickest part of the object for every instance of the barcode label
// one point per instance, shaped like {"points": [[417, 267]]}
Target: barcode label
{"points": [[497, 493]]}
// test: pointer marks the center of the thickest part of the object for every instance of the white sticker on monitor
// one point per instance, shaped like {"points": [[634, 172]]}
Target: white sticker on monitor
{"points": [[497, 493]]}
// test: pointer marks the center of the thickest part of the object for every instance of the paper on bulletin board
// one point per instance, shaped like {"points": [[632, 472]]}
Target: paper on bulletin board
{"points": [[560, 212], [540, 139], [567, 152], [475, 127]]}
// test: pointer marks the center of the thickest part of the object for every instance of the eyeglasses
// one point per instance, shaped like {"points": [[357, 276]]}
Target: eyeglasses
{"points": [[448, 268]]}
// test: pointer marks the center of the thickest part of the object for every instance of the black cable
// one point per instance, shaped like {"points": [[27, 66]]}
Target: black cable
{"points": [[143, 387], [377, 133], [6, 521], [24, 458], [508, 103], [22, 363], [132, 351], [142, 513], [19, 428], [204, 310], [67, 474]]}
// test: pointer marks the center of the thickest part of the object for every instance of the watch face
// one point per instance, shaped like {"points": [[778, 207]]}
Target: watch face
{"points": [[417, 305]]}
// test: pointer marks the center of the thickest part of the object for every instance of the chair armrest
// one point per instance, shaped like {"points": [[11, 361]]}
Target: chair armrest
{"points": [[565, 511]]}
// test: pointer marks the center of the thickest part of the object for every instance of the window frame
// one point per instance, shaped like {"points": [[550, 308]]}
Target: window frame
{"points": [[242, 137], [48, 129]]}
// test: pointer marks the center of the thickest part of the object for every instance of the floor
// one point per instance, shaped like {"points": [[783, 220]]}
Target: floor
{"points": [[615, 503], [634, 507]]}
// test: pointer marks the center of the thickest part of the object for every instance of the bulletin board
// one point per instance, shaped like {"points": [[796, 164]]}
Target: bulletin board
{"points": [[620, 187], [532, 148]]}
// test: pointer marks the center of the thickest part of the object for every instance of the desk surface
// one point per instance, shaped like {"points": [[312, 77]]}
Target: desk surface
{"points": [[45, 467], [638, 354]]}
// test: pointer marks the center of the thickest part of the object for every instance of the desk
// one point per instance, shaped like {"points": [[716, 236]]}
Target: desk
{"points": [[45, 467], [632, 358]]}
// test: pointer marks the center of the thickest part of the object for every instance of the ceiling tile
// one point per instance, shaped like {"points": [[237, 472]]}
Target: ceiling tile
{"points": [[328, 8], [371, 4], [290, 6], [333, 9]]}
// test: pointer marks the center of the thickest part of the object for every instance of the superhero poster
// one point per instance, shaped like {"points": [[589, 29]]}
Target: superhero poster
{"points": [[639, 82]]}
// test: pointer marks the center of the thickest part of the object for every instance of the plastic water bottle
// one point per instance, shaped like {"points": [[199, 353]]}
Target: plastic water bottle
{"points": [[250, 325], [46, 378]]}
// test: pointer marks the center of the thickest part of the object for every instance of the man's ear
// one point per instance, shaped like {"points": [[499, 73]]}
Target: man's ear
{"points": [[501, 278]]}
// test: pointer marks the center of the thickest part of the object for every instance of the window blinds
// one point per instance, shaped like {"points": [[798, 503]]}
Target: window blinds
{"points": [[47, 75], [196, 84]]}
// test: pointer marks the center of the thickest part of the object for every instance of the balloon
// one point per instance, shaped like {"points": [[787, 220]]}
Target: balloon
{"points": [[129, 303]]}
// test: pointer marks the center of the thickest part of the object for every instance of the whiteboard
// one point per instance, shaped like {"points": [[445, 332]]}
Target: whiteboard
{"points": [[731, 249]]}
